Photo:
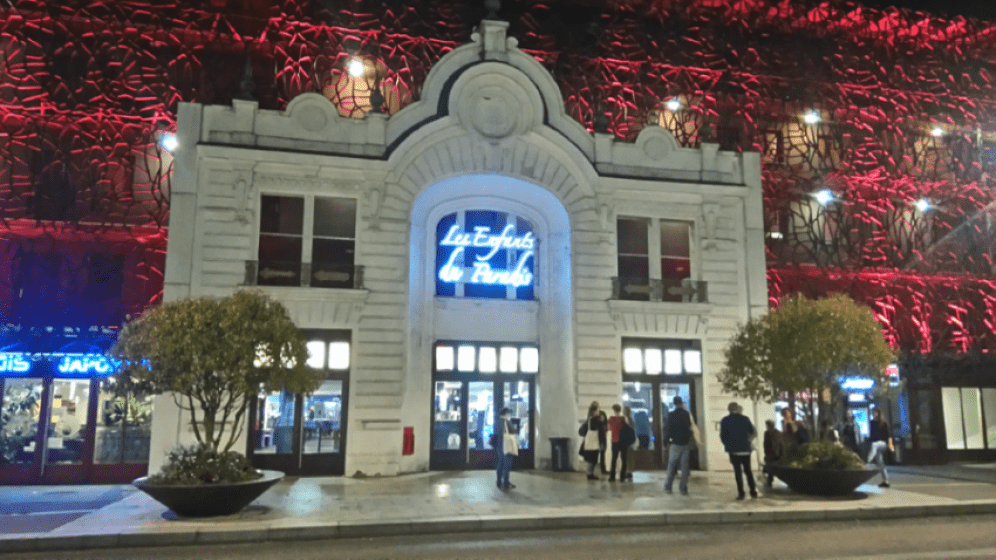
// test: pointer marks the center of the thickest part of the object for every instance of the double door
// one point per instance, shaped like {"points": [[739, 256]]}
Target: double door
{"points": [[651, 401], [465, 413]]}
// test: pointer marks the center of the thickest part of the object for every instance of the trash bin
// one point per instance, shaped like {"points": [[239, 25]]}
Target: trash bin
{"points": [[559, 457]]}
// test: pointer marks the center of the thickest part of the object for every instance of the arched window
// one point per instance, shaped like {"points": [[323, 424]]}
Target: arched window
{"points": [[485, 254]]}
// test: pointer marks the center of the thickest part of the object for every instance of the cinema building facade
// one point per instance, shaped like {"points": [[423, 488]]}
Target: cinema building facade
{"points": [[475, 250]]}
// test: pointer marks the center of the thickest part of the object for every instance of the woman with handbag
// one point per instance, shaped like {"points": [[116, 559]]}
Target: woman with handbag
{"points": [[506, 446], [593, 431]]}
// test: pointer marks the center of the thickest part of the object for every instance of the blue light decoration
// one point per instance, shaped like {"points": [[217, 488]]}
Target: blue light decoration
{"points": [[490, 252], [63, 365], [857, 383]]}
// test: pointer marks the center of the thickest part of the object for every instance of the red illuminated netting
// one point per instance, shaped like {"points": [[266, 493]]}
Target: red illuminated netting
{"points": [[743, 72]]}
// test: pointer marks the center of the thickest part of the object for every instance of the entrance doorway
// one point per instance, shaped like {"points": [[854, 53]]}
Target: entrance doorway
{"points": [[306, 435], [472, 382]]}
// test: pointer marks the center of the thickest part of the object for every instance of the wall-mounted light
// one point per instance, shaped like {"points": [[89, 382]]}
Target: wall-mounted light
{"points": [[824, 196], [355, 67], [168, 141], [812, 117], [673, 104], [923, 204], [937, 132]]}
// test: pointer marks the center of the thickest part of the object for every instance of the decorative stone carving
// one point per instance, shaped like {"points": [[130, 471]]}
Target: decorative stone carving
{"points": [[493, 112], [495, 102], [710, 214], [312, 118]]}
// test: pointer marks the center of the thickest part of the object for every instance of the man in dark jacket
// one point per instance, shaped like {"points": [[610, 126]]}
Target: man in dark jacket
{"points": [[736, 432], [679, 435]]}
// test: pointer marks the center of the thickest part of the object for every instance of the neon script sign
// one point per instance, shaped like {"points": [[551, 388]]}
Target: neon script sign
{"points": [[67, 365], [14, 363], [482, 272], [85, 364]]}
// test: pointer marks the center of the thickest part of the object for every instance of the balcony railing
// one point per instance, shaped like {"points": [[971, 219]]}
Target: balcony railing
{"points": [[308, 275], [644, 289]]}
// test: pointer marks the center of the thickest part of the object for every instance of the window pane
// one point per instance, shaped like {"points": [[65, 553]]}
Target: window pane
{"points": [[632, 236], [275, 434], [480, 414], [632, 360], [673, 268], [465, 358], [640, 398], [672, 361], [67, 423], [335, 217], [339, 355], [316, 354], [951, 401], [674, 239], [323, 411], [653, 360], [487, 360], [693, 361], [989, 408], [972, 408], [279, 261], [333, 251], [281, 214], [444, 358], [509, 359], [446, 427], [529, 360]]}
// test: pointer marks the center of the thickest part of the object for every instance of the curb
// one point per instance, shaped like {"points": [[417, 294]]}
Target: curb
{"points": [[466, 524]]}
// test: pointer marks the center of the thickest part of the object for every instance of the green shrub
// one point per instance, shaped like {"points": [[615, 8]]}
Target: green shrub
{"points": [[823, 456], [201, 464]]}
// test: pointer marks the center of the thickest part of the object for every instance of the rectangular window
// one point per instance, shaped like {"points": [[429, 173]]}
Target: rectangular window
{"points": [[968, 422], [633, 240], [281, 228], [953, 430], [655, 260], [318, 231], [646, 356], [989, 409], [676, 260]]}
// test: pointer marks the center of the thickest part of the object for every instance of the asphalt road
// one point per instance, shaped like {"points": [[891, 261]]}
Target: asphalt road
{"points": [[947, 538]]}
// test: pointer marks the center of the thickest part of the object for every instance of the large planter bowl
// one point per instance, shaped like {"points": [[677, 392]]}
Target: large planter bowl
{"points": [[208, 500], [822, 483]]}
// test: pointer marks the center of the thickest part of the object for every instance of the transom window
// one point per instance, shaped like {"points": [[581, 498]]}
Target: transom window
{"points": [[485, 254], [471, 357], [656, 357]]}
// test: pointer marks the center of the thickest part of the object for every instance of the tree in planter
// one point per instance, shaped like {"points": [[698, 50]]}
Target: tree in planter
{"points": [[213, 356], [804, 347]]}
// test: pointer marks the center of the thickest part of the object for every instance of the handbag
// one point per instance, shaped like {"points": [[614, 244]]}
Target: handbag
{"points": [[511, 441], [627, 435], [591, 439], [493, 440], [696, 435]]}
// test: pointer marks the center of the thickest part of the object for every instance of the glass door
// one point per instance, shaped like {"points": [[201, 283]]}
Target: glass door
{"points": [[639, 397], [448, 426], [68, 449], [668, 391], [20, 416], [517, 395], [481, 414]]}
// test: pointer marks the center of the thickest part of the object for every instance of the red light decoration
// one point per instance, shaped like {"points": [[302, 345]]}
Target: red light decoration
{"points": [[85, 87]]}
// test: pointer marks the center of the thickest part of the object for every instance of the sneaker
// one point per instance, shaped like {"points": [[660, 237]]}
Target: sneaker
{"points": [[509, 486], [740, 497], [883, 485], [668, 491], [593, 477], [753, 495]]}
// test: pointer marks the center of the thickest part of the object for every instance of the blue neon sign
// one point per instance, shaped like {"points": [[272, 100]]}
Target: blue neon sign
{"points": [[14, 362], [19, 364], [481, 271]]}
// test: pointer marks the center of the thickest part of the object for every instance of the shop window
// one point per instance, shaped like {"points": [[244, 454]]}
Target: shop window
{"points": [[670, 247], [306, 241], [124, 429], [969, 417], [654, 357], [485, 254]]}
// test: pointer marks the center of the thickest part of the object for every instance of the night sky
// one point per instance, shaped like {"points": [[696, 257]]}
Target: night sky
{"points": [[984, 9]]}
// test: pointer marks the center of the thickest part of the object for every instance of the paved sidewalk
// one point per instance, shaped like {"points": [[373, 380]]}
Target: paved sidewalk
{"points": [[436, 502]]}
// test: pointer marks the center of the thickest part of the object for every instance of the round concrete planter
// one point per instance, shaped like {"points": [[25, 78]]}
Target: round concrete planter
{"points": [[207, 500], [822, 483]]}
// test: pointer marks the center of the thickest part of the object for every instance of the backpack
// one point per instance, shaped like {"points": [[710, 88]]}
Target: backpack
{"points": [[627, 435]]}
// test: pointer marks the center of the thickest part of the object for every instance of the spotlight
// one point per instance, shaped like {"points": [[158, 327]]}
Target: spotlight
{"points": [[937, 132], [673, 104], [355, 68], [811, 117], [923, 205], [168, 142], [824, 197]]}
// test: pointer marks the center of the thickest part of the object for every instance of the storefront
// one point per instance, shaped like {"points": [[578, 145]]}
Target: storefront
{"points": [[61, 424], [482, 250]]}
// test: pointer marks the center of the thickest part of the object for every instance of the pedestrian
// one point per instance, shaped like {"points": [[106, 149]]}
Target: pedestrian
{"points": [[603, 442], [773, 449], [880, 436], [593, 431], [802, 436], [828, 432], [736, 431], [679, 436], [627, 439], [789, 441], [850, 435], [504, 451], [617, 423]]}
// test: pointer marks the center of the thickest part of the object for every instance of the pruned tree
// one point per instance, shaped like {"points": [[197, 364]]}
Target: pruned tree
{"points": [[804, 347], [214, 355]]}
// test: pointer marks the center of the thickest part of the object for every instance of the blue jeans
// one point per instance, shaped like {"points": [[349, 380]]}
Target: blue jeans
{"points": [[877, 455], [677, 455], [503, 467]]}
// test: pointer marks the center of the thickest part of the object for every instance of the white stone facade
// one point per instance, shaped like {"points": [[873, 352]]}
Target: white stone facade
{"points": [[489, 131]]}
